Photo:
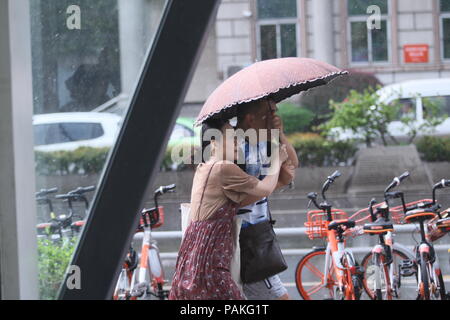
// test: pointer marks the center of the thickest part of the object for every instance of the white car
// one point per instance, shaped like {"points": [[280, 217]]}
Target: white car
{"points": [[411, 95], [68, 131]]}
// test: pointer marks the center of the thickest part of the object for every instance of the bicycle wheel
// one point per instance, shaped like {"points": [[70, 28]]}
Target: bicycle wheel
{"points": [[351, 285], [310, 280], [424, 286], [440, 279], [369, 273], [122, 290]]}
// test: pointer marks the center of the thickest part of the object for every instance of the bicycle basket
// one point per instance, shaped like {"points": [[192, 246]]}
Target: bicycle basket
{"points": [[153, 216], [317, 224]]}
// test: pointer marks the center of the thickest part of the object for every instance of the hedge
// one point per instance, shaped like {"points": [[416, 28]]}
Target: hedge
{"points": [[53, 260], [295, 118], [313, 150], [434, 149], [84, 160]]}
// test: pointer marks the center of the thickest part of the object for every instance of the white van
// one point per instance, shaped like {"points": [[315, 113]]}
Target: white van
{"points": [[413, 96]]}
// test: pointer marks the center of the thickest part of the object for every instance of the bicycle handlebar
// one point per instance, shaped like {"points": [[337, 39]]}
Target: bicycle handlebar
{"points": [[328, 182], [396, 181], [44, 192], [440, 185], [164, 189]]}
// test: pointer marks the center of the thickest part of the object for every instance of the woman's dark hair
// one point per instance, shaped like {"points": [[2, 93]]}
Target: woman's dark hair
{"points": [[210, 124]]}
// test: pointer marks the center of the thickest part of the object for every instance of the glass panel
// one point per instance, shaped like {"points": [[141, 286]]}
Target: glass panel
{"points": [[268, 42], [86, 59], [277, 9], [359, 7], [360, 52], [180, 132], [66, 132], [406, 108], [288, 40], [445, 5], [446, 37], [436, 106], [380, 43]]}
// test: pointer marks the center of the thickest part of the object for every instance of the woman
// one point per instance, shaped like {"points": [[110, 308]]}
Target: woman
{"points": [[219, 188]]}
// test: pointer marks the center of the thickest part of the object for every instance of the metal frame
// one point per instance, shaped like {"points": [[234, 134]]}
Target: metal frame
{"points": [[286, 233], [135, 159], [18, 248]]}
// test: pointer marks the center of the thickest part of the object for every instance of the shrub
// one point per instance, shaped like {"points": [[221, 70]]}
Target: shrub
{"points": [[317, 99], [181, 156], [84, 160], [53, 259], [295, 118], [434, 149], [313, 150]]}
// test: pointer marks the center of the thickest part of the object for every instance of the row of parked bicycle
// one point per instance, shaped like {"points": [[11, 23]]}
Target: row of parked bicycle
{"points": [[332, 272], [142, 273], [62, 226], [328, 272]]}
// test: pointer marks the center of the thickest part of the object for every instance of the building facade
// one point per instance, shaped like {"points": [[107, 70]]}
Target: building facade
{"points": [[396, 40], [412, 40]]}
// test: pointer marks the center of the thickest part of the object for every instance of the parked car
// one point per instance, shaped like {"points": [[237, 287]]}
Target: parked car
{"points": [[67, 131], [185, 132], [70, 130], [413, 97]]}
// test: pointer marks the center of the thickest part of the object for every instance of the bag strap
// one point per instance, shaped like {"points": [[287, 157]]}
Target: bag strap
{"points": [[272, 222], [204, 188]]}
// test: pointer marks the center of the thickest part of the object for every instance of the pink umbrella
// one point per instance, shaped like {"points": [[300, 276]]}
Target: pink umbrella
{"points": [[277, 78]]}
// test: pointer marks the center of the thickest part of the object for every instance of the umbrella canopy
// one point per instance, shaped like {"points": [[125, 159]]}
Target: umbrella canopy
{"points": [[277, 79]]}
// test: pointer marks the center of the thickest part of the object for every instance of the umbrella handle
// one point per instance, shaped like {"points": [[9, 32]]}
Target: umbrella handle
{"points": [[269, 127]]}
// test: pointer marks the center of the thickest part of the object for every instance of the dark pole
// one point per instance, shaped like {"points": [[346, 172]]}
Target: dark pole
{"points": [[136, 157]]}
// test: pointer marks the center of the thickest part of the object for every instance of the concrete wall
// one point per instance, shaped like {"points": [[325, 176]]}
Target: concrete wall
{"points": [[286, 203]]}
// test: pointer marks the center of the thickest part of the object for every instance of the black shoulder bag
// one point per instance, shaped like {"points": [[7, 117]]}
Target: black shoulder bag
{"points": [[261, 255]]}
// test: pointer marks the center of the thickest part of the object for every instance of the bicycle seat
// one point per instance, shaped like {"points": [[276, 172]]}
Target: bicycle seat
{"points": [[336, 224], [78, 223], [443, 224], [418, 215], [378, 226]]}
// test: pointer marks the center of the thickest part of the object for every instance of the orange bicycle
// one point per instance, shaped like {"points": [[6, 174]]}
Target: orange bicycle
{"points": [[340, 277], [142, 274], [382, 279]]}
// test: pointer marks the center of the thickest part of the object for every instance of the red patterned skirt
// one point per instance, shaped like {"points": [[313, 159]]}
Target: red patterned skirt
{"points": [[203, 266]]}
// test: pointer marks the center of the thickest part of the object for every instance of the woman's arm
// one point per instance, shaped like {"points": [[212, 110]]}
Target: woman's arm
{"points": [[265, 187]]}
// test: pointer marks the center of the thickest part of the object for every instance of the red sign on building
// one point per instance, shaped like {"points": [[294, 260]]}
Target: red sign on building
{"points": [[416, 53]]}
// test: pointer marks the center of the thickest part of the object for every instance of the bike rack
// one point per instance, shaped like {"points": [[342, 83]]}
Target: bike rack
{"points": [[281, 232]]}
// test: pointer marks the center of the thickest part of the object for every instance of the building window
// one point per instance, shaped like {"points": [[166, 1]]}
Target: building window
{"points": [[368, 45], [445, 28], [277, 28]]}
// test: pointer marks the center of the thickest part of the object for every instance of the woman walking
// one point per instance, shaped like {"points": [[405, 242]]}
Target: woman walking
{"points": [[219, 188]]}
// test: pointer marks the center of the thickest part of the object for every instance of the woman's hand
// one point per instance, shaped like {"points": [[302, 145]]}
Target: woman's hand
{"points": [[283, 154]]}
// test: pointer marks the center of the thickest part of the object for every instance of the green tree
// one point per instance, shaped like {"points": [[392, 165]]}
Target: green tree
{"points": [[364, 114], [317, 100]]}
